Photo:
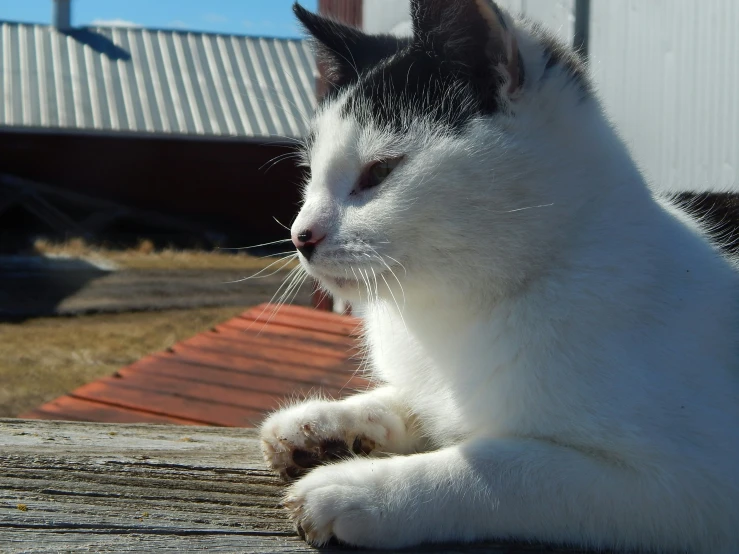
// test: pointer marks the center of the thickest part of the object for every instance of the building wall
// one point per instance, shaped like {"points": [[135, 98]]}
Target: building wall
{"points": [[229, 185], [668, 74], [386, 16], [556, 15], [383, 16]]}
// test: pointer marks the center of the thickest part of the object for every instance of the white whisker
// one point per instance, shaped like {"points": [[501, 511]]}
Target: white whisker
{"points": [[281, 224], [257, 245], [286, 259]]}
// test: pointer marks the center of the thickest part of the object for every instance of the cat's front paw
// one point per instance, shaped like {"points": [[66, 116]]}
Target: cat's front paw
{"points": [[346, 501], [315, 432]]}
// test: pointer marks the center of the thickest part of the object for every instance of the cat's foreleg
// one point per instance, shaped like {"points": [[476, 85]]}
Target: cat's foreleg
{"points": [[503, 489], [305, 435]]}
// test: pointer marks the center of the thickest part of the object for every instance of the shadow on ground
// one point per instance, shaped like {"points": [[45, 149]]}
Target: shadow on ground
{"points": [[34, 285], [37, 287]]}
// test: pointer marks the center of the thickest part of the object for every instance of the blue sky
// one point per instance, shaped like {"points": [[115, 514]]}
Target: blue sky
{"points": [[248, 17]]}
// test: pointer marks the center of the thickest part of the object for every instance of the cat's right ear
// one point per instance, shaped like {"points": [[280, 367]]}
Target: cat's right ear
{"points": [[344, 52], [475, 35]]}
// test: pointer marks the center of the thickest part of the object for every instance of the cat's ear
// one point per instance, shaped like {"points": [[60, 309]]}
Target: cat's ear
{"points": [[476, 34], [343, 51]]}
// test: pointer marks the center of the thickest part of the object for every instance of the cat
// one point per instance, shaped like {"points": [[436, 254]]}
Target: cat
{"points": [[554, 350]]}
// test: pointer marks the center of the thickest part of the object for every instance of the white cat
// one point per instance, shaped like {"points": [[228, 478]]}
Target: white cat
{"points": [[556, 353]]}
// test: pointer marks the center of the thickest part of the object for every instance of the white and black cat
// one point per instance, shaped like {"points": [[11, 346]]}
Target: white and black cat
{"points": [[555, 352]]}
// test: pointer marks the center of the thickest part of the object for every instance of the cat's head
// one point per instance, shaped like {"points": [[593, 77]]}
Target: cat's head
{"points": [[433, 159]]}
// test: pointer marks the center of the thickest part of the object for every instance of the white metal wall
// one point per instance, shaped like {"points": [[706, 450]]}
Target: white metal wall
{"points": [[668, 74], [384, 16], [557, 15]]}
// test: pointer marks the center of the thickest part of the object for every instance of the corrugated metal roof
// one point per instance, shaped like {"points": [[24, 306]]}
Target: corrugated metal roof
{"points": [[118, 79]]}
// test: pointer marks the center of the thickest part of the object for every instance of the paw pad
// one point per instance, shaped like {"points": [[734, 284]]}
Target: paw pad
{"points": [[326, 451]]}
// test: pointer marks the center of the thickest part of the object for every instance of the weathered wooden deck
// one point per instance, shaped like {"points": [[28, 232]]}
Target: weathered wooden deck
{"points": [[228, 376], [72, 486]]}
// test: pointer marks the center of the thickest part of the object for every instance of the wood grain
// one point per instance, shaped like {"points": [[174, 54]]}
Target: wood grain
{"points": [[73, 486]]}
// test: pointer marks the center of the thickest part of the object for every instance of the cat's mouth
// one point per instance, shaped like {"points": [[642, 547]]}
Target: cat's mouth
{"points": [[340, 282], [349, 282], [356, 279], [345, 281]]}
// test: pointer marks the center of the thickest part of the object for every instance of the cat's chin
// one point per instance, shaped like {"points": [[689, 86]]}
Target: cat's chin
{"points": [[361, 285], [349, 289], [342, 284]]}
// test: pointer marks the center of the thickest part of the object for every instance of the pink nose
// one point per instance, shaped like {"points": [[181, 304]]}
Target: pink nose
{"points": [[306, 242]]}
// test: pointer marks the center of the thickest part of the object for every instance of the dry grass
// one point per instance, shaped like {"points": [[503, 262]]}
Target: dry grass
{"points": [[44, 358], [146, 256]]}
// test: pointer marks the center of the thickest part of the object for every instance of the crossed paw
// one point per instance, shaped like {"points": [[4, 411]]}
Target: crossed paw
{"points": [[300, 438]]}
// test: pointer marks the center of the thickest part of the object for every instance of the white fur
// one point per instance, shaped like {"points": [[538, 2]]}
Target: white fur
{"points": [[567, 345]]}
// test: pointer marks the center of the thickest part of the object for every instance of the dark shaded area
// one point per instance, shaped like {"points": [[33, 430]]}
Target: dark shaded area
{"points": [[719, 213], [227, 186], [99, 43], [32, 287], [29, 210], [47, 288]]}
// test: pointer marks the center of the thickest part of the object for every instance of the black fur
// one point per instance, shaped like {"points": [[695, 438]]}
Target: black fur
{"points": [[416, 83], [457, 34], [718, 212]]}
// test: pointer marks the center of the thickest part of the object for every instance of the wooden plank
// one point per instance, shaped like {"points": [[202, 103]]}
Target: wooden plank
{"points": [[264, 351], [173, 367], [316, 315], [314, 322], [338, 375], [293, 342], [227, 395], [276, 330], [148, 488], [77, 409], [210, 412]]}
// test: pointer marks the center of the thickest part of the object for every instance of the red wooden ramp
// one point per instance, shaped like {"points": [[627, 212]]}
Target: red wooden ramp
{"points": [[230, 375]]}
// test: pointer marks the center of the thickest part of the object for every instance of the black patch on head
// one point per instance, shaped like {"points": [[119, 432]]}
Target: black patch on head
{"points": [[416, 83], [446, 73]]}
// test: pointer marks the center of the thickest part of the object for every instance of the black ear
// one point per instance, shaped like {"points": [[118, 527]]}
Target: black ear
{"points": [[343, 51], [475, 34]]}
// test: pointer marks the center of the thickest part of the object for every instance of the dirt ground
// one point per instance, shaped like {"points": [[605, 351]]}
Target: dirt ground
{"points": [[62, 329]]}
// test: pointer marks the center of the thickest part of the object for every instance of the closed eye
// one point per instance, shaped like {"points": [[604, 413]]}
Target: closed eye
{"points": [[375, 173]]}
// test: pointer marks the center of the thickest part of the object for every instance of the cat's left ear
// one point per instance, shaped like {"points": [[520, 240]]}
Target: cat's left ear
{"points": [[343, 51], [476, 35]]}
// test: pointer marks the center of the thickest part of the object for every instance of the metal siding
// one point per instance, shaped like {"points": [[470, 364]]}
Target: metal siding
{"points": [[556, 15], [165, 82], [667, 74]]}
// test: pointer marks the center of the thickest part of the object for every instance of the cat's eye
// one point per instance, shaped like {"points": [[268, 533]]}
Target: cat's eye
{"points": [[376, 173]]}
